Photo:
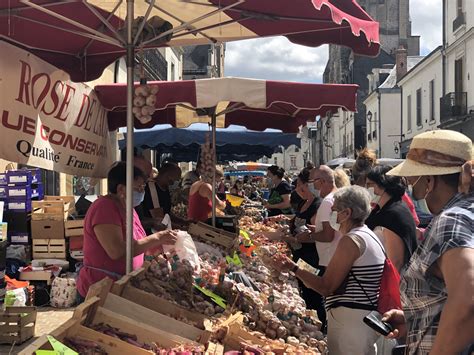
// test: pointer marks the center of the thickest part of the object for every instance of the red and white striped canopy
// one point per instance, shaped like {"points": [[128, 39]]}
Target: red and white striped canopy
{"points": [[83, 37], [255, 104]]}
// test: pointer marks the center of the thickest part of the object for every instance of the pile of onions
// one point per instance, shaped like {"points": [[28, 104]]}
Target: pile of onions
{"points": [[144, 102]]}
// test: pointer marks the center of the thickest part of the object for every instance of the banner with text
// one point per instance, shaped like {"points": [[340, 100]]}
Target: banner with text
{"points": [[48, 121]]}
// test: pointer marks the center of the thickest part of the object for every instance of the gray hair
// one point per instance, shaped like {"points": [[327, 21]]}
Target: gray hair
{"points": [[357, 199]]}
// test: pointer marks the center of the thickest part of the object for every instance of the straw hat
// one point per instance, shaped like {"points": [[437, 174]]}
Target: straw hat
{"points": [[439, 152]]}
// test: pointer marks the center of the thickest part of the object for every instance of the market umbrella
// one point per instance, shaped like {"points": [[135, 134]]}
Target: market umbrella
{"points": [[255, 104], [233, 145], [84, 37]]}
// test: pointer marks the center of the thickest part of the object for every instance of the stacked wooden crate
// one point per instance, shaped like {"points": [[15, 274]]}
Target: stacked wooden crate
{"points": [[47, 229]]}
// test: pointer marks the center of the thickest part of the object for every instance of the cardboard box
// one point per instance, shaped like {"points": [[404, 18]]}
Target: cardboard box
{"points": [[47, 229], [43, 275], [3, 179], [3, 191]]}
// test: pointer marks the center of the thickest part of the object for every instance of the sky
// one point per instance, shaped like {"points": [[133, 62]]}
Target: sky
{"points": [[278, 59]]}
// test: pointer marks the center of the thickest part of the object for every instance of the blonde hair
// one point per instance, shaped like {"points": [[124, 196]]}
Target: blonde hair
{"points": [[366, 160], [341, 178]]}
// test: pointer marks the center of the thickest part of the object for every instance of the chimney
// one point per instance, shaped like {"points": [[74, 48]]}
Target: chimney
{"points": [[401, 62]]}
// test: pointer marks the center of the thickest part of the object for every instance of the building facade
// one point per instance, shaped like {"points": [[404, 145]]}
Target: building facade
{"points": [[457, 101], [205, 61], [421, 90], [345, 67]]}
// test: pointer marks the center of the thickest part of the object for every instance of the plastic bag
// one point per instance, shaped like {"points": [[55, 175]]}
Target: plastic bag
{"points": [[16, 297], [63, 292], [185, 249]]}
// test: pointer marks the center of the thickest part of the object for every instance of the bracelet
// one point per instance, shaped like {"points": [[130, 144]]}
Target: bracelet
{"points": [[294, 269]]}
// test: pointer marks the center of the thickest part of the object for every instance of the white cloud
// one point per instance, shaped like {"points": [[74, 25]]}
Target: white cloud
{"points": [[427, 21], [278, 59], [275, 59]]}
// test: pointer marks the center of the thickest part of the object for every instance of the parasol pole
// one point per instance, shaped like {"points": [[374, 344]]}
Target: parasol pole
{"points": [[214, 158], [130, 80]]}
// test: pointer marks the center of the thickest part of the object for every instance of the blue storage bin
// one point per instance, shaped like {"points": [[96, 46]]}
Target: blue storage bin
{"points": [[24, 192], [24, 176], [3, 192], [18, 205]]}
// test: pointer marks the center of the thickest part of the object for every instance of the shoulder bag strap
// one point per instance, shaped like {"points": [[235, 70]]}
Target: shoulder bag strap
{"points": [[357, 280]]}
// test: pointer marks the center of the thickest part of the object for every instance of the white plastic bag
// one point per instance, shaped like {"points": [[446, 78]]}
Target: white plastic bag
{"points": [[63, 292], [185, 249]]}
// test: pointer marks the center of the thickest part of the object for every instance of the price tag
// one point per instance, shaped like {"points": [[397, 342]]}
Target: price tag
{"points": [[233, 260], [215, 298], [59, 348]]}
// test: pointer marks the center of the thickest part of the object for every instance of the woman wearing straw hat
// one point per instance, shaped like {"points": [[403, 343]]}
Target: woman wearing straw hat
{"points": [[438, 285]]}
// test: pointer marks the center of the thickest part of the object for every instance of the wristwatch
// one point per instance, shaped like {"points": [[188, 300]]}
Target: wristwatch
{"points": [[294, 269]]}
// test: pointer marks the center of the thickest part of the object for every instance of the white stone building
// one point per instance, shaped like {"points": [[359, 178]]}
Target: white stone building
{"points": [[457, 102], [292, 159], [421, 89], [384, 105]]}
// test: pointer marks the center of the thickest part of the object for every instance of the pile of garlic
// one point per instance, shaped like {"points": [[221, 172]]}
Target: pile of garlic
{"points": [[207, 161], [144, 102]]}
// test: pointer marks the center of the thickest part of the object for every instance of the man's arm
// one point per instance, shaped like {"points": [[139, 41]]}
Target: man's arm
{"points": [[455, 331]]}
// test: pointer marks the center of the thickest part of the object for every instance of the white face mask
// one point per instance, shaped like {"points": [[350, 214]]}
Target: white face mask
{"points": [[333, 221], [422, 204], [373, 197]]}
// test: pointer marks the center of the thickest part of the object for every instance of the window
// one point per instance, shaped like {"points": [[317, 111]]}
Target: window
{"points": [[173, 69], [292, 162], [419, 121], [409, 112], [374, 134], [459, 7], [369, 137], [275, 161], [432, 100]]}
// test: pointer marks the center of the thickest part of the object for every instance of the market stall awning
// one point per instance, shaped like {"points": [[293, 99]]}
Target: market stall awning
{"points": [[84, 37], [255, 104], [231, 145], [251, 166]]}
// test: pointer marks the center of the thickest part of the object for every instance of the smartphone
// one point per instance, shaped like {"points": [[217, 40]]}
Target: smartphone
{"points": [[374, 320]]}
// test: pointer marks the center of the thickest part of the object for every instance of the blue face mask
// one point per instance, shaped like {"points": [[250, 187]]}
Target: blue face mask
{"points": [[138, 198], [313, 190]]}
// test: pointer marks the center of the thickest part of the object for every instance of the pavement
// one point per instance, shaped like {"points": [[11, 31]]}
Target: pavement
{"points": [[47, 320]]}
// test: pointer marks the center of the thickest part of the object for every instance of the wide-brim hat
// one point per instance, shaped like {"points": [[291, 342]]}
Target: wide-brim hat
{"points": [[438, 152]]}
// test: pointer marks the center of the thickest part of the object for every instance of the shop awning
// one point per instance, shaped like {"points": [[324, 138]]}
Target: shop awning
{"points": [[255, 104], [84, 37]]}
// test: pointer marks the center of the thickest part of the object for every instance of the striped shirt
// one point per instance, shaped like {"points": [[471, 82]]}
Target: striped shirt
{"points": [[423, 294], [363, 282]]}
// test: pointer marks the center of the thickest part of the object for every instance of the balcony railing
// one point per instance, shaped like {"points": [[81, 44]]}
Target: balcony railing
{"points": [[453, 105], [459, 21]]}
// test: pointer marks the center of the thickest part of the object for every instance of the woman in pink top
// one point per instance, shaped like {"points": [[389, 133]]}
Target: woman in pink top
{"points": [[104, 232]]}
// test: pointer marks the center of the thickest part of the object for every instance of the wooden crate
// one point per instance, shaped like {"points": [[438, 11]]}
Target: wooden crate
{"points": [[237, 335], [66, 199], [49, 210], [49, 249], [134, 310], [17, 324], [125, 289], [214, 235], [74, 228]]}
